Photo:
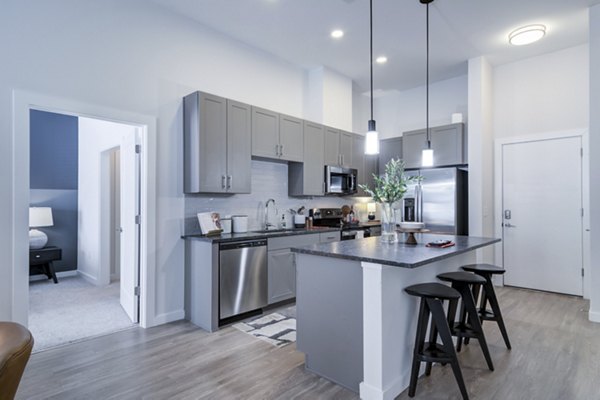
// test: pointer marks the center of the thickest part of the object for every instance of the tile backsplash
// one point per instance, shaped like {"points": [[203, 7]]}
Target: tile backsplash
{"points": [[269, 180]]}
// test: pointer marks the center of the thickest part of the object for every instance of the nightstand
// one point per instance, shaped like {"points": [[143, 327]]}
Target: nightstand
{"points": [[41, 261]]}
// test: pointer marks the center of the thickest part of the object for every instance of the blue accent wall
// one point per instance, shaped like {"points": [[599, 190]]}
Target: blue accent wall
{"points": [[54, 141], [53, 150]]}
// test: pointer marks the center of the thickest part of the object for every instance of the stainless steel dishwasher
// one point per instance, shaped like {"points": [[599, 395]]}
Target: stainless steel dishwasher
{"points": [[242, 277]]}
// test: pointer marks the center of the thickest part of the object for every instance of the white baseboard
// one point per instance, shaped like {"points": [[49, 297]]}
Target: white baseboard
{"points": [[368, 392], [91, 279], [594, 316], [165, 318], [61, 274]]}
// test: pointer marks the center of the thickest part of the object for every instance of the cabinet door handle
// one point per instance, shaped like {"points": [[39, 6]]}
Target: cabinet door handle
{"points": [[229, 181], [342, 159], [223, 179], [280, 150]]}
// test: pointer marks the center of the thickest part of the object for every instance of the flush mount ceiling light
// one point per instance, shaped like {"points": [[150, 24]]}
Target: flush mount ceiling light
{"points": [[527, 34], [372, 137], [381, 60], [337, 34]]}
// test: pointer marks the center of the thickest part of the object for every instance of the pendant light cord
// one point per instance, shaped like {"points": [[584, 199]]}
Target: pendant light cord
{"points": [[371, 49], [427, 83]]}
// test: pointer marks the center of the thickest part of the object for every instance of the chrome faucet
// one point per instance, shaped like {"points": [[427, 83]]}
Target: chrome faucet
{"points": [[267, 223]]}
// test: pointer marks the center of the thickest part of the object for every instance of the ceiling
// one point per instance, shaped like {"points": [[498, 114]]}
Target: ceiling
{"points": [[298, 31]]}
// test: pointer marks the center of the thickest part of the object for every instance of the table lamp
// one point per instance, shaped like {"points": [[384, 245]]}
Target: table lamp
{"points": [[371, 210], [39, 217]]}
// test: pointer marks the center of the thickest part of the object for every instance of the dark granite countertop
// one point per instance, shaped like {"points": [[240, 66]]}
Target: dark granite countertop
{"points": [[234, 237], [398, 254]]}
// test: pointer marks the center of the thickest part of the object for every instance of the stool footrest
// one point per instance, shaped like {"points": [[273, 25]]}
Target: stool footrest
{"points": [[487, 315], [463, 330], [434, 352]]}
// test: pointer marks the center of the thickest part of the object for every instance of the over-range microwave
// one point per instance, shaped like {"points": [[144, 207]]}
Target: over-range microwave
{"points": [[339, 180]]}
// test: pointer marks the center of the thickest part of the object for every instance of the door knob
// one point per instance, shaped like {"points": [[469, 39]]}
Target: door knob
{"points": [[509, 225]]}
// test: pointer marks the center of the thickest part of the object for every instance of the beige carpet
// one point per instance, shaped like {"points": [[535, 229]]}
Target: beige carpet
{"points": [[72, 310]]}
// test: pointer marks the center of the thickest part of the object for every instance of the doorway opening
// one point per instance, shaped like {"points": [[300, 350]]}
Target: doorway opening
{"points": [[86, 173]]}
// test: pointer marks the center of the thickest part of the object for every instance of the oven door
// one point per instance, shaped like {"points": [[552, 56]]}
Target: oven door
{"points": [[340, 180]]}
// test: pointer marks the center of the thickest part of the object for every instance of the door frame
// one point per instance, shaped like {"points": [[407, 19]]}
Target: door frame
{"points": [[585, 187], [23, 102]]}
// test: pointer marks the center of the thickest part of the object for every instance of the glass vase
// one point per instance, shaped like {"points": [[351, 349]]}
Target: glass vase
{"points": [[388, 224]]}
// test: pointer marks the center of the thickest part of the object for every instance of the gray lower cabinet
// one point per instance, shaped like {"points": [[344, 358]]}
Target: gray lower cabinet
{"points": [[338, 147], [447, 141], [216, 144], [265, 133], [282, 275], [281, 264], [388, 149], [307, 178]]}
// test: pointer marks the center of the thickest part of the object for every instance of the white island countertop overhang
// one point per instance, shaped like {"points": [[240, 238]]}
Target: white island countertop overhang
{"points": [[355, 323]]}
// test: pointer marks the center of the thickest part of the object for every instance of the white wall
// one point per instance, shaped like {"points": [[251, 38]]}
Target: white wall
{"points": [[397, 112], [328, 98], [595, 161], [139, 58], [542, 94], [96, 138]]}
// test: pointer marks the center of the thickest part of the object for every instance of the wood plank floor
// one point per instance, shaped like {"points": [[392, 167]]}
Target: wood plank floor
{"points": [[556, 355]]}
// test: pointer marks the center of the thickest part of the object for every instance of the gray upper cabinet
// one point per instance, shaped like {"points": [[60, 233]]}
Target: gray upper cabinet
{"points": [[205, 143], [332, 146], [239, 143], [413, 143], [447, 141], [371, 168], [307, 178], [277, 136], [388, 149], [346, 148], [338, 147], [358, 160], [265, 133], [291, 138]]}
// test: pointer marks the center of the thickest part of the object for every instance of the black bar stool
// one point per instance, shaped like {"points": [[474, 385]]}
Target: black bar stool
{"points": [[464, 283], [489, 294], [432, 297]]}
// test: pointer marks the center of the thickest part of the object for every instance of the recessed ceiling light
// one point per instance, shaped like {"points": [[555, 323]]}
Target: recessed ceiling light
{"points": [[381, 60], [336, 34], [527, 34]]}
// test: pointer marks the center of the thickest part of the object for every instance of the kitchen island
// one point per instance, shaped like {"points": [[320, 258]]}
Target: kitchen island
{"points": [[355, 324]]}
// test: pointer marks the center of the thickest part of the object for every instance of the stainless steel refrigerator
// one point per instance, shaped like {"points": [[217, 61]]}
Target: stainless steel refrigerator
{"points": [[440, 200]]}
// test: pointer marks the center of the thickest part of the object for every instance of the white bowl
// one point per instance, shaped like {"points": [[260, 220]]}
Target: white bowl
{"points": [[412, 225]]}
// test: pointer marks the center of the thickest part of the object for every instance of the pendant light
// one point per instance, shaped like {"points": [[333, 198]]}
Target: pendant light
{"points": [[427, 156], [372, 137]]}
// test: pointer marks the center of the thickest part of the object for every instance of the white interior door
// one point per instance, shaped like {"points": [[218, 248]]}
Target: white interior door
{"points": [[129, 247], [542, 217]]}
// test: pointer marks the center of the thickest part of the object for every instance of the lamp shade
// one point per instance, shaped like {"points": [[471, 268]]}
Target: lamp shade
{"points": [[40, 217], [427, 158], [371, 207]]}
